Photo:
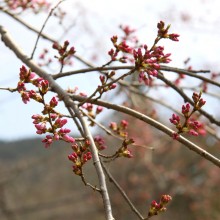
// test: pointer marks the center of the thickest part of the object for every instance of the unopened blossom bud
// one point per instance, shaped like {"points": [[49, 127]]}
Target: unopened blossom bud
{"points": [[193, 132], [114, 39], [165, 199], [195, 97], [186, 109], [64, 130], [72, 50], [41, 128], [66, 43], [124, 124], [56, 46], [201, 103], [48, 141], [44, 86], [68, 139], [175, 119], [35, 96], [53, 102], [113, 126], [21, 86], [102, 79], [174, 37], [99, 109], [37, 118], [127, 153], [25, 97], [154, 204], [112, 86], [89, 155], [112, 73], [53, 116], [56, 137], [160, 25], [59, 123], [72, 157]]}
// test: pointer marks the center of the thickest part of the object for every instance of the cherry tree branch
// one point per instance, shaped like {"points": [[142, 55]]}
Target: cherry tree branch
{"points": [[43, 26], [155, 124], [186, 98], [9, 42], [124, 195], [190, 73], [55, 87]]}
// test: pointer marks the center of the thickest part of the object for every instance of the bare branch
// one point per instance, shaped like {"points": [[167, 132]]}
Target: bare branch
{"points": [[43, 26], [155, 124], [6, 38], [112, 180]]}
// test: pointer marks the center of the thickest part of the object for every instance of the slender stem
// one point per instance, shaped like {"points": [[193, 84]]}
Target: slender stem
{"points": [[9, 42], [155, 124], [186, 98], [43, 26], [112, 179]]}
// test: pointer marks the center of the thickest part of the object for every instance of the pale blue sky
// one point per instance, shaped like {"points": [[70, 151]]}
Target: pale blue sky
{"points": [[96, 22]]}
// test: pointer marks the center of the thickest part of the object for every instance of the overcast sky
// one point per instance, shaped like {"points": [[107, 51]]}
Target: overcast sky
{"points": [[197, 22]]}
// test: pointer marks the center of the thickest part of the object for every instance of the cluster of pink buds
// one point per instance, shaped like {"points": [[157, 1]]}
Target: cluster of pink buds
{"points": [[156, 208], [100, 143], [129, 35], [52, 123], [123, 151], [119, 47], [163, 32], [198, 101], [80, 156], [64, 53], [190, 125], [148, 62], [43, 57], [26, 76], [106, 86], [120, 128], [36, 5], [92, 111]]}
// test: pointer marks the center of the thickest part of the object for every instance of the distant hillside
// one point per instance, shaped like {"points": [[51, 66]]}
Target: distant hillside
{"points": [[38, 183]]}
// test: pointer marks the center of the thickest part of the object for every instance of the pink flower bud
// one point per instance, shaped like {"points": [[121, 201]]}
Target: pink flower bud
{"points": [[68, 139], [165, 199], [44, 84], [112, 86], [53, 102], [174, 37], [113, 126], [175, 119], [25, 97], [99, 109], [186, 109], [102, 78], [193, 132], [60, 122], [124, 124]]}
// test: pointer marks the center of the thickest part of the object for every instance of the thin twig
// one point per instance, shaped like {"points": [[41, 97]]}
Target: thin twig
{"points": [[43, 26], [9, 42], [186, 98], [25, 24], [155, 124], [108, 132], [124, 195]]}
